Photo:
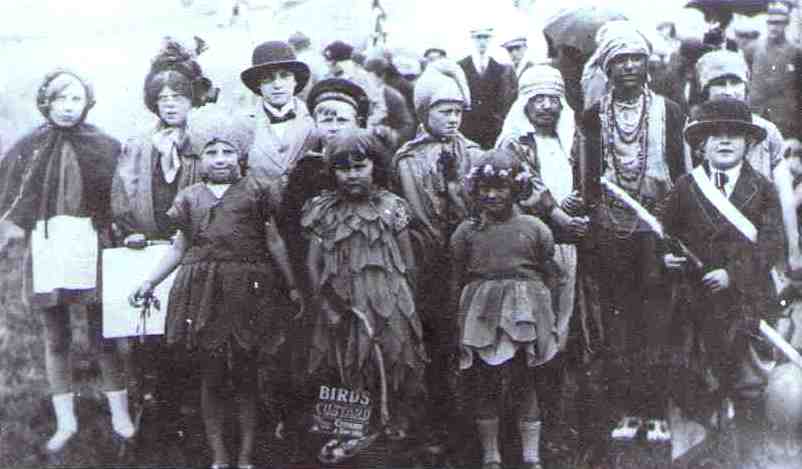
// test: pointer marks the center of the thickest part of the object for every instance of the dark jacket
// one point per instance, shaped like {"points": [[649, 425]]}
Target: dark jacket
{"points": [[492, 94], [711, 330]]}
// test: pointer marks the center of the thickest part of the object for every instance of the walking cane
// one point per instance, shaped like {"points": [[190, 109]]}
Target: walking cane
{"points": [[335, 450]]}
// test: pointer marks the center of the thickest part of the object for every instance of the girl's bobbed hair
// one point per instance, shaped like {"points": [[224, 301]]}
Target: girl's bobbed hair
{"points": [[358, 144], [499, 168], [176, 66]]}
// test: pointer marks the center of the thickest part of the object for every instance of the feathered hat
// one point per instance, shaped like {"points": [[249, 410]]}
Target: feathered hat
{"points": [[175, 56]]}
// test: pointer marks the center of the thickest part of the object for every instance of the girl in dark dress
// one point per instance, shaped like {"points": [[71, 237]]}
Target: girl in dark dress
{"points": [[360, 262], [223, 300]]}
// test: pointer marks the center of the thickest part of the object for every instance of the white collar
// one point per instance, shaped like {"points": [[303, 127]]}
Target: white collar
{"points": [[290, 106], [732, 176], [480, 61]]}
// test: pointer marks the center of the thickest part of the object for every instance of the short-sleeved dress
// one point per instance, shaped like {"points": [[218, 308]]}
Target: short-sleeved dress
{"points": [[225, 286], [505, 303], [364, 270]]}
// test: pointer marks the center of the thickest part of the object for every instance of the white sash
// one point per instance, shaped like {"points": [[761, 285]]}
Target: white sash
{"points": [[723, 204]]}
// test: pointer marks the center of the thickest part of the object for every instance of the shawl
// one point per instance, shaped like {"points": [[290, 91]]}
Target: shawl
{"points": [[557, 174], [28, 188]]}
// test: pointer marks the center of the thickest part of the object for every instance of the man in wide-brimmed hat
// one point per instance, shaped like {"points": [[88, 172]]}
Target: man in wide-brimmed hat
{"points": [[728, 216], [283, 125]]}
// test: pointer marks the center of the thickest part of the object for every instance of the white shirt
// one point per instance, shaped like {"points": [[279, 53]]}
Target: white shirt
{"points": [[480, 62], [732, 177]]}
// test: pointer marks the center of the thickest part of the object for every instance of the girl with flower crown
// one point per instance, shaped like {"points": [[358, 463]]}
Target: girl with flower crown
{"points": [[223, 303], [502, 271]]}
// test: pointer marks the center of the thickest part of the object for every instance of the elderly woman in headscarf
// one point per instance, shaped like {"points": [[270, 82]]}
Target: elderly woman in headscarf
{"points": [[633, 138], [55, 184], [428, 173], [539, 131]]}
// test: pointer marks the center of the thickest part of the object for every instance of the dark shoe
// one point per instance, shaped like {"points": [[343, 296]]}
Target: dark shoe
{"points": [[491, 465]]}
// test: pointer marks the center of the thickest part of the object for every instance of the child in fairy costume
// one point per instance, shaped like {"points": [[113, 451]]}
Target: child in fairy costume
{"points": [[223, 303], [503, 266], [360, 261]]}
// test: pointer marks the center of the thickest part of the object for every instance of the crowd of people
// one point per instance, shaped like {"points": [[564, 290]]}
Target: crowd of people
{"points": [[448, 236]]}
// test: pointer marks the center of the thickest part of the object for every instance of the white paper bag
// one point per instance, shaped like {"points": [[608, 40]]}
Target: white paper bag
{"points": [[123, 271]]}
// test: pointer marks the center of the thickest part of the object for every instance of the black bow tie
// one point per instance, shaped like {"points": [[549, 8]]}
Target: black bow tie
{"points": [[274, 119]]}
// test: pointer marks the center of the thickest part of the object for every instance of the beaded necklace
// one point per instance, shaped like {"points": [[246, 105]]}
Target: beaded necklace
{"points": [[629, 177]]}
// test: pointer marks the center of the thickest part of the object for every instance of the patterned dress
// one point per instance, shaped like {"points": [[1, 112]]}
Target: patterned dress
{"points": [[364, 270]]}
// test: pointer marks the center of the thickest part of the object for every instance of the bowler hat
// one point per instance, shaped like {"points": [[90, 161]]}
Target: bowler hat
{"points": [[725, 112], [339, 89], [269, 56]]}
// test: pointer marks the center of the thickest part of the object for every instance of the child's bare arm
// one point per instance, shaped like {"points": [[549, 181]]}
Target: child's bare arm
{"points": [[167, 264], [278, 252]]}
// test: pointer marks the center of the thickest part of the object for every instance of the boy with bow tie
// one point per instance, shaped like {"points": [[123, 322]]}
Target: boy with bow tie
{"points": [[729, 216]]}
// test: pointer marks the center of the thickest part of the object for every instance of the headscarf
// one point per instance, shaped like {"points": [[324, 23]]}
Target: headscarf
{"points": [[30, 173], [614, 38], [215, 123], [544, 80], [721, 63], [443, 80]]}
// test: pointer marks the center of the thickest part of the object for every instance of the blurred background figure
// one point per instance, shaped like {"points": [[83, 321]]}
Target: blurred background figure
{"points": [[342, 61], [399, 125], [517, 48], [776, 68], [492, 87], [433, 53], [309, 55]]}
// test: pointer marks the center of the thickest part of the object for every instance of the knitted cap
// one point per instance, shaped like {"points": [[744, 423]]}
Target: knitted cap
{"points": [[721, 63], [215, 123], [443, 80]]}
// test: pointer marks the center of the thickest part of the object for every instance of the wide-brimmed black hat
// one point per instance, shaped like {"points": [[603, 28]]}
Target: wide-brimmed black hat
{"points": [[339, 89], [723, 112], [270, 56]]}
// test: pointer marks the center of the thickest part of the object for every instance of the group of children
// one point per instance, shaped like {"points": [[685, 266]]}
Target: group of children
{"points": [[361, 265], [365, 288]]}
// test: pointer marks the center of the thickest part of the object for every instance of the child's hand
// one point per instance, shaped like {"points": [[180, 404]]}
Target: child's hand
{"points": [[673, 262], [137, 297], [716, 280], [578, 227], [573, 204]]}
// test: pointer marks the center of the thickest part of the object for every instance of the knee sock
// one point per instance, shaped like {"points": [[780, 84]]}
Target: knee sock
{"points": [[66, 423], [488, 436], [120, 418], [530, 440]]}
